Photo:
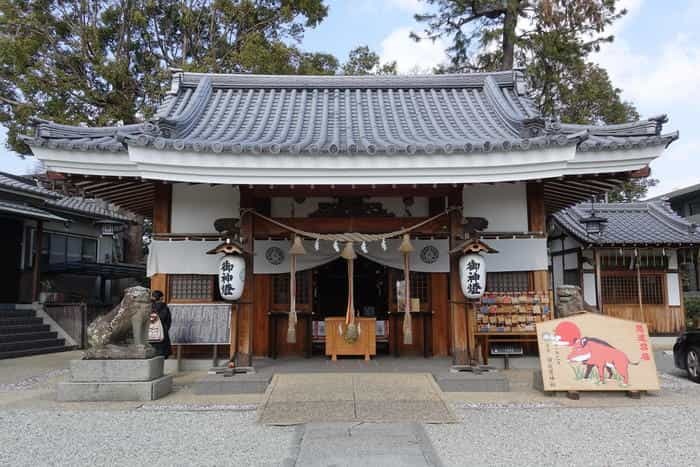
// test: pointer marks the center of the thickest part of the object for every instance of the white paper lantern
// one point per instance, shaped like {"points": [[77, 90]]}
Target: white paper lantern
{"points": [[472, 275], [231, 277]]}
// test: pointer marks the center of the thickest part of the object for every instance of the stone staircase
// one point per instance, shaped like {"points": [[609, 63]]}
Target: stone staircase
{"points": [[22, 333]]}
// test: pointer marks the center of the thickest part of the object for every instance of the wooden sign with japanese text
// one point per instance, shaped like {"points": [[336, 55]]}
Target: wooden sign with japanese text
{"points": [[593, 352]]}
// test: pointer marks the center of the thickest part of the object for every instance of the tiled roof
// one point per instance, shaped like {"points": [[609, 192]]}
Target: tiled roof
{"points": [[24, 185], [31, 212], [480, 112], [644, 223], [93, 208]]}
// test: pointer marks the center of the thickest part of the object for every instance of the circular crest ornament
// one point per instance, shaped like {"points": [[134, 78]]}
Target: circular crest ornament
{"points": [[274, 255], [429, 254]]}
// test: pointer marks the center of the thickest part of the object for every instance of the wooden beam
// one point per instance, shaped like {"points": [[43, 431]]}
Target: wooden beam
{"points": [[264, 229]]}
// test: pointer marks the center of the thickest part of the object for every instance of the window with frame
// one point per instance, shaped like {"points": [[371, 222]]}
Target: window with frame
{"points": [[620, 288], [59, 248], [280, 289], [420, 287], [516, 281], [191, 287], [628, 262]]}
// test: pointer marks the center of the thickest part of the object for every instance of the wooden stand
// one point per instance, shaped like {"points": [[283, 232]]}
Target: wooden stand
{"points": [[365, 345]]}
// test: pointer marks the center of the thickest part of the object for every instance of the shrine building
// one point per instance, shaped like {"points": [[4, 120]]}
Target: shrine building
{"points": [[349, 181]]}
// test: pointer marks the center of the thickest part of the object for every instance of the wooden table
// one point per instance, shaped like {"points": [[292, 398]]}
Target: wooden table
{"points": [[519, 337], [422, 320], [304, 331]]}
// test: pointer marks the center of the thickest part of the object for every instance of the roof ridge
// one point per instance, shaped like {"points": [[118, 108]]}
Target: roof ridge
{"points": [[508, 78], [662, 209]]}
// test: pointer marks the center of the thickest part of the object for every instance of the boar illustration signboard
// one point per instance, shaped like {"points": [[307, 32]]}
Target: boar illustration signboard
{"points": [[592, 352]]}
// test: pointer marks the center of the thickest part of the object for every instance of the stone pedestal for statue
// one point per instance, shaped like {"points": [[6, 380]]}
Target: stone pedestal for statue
{"points": [[116, 380], [113, 369]]}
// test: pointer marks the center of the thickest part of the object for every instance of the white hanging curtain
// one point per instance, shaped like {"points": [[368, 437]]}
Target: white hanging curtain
{"points": [[271, 256]]}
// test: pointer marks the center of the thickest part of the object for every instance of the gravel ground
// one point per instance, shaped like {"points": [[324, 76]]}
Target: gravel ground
{"points": [[33, 382], [140, 437], [522, 435]]}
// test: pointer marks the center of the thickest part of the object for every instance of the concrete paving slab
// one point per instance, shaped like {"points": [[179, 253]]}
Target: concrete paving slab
{"points": [[317, 387], [423, 411], [365, 444], [370, 387], [294, 413], [301, 398]]}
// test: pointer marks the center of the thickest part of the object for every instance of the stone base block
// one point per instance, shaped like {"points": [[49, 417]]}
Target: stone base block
{"points": [[120, 352], [115, 391], [254, 383], [102, 371], [470, 382]]}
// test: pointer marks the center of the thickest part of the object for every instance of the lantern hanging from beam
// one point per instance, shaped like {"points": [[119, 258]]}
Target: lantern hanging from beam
{"points": [[232, 270], [472, 267]]}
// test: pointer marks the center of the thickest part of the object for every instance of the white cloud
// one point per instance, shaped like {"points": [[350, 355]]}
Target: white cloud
{"points": [[412, 56], [411, 6], [655, 81]]}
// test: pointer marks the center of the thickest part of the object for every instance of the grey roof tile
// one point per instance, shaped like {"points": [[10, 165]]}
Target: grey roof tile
{"points": [[239, 113], [31, 212], [93, 208], [24, 185], [643, 223]]}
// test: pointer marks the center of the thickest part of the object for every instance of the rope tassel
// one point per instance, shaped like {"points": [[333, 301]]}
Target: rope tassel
{"points": [[406, 248]]}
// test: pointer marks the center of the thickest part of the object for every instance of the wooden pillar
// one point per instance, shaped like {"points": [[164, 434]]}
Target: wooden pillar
{"points": [[162, 209], [536, 215], [537, 222], [598, 280], [36, 272], [244, 349], [458, 317]]}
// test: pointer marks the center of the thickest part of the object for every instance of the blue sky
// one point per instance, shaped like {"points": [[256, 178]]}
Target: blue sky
{"points": [[655, 60]]}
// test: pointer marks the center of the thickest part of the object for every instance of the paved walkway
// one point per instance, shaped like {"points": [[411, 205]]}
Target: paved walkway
{"points": [[316, 397], [365, 445]]}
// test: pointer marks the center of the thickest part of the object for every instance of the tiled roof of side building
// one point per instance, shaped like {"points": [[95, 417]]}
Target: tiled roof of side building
{"points": [[642, 223], [15, 183], [240, 113], [93, 208]]}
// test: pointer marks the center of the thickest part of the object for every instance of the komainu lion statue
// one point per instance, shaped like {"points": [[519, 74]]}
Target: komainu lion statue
{"points": [[107, 335]]}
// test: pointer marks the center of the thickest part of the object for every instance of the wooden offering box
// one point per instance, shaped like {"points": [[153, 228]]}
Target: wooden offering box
{"points": [[366, 343]]}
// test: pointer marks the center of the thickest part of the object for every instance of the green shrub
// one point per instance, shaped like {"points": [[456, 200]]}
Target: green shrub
{"points": [[692, 311]]}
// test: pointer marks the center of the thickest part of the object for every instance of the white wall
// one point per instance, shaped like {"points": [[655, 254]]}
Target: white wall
{"points": [[504, 205], [196, 207]]}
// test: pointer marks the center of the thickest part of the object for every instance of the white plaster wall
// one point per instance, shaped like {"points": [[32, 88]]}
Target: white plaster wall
{"points": [[673, 288], [571, 261], [589, 292], [672, 259], [504, 205], [196, 207]]}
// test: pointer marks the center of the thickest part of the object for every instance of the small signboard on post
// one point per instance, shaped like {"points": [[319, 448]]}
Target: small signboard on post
{"points": [[593, 352]]}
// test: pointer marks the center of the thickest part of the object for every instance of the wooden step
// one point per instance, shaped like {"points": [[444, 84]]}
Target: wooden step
{"points": [[31, 344], [27, 336]]}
